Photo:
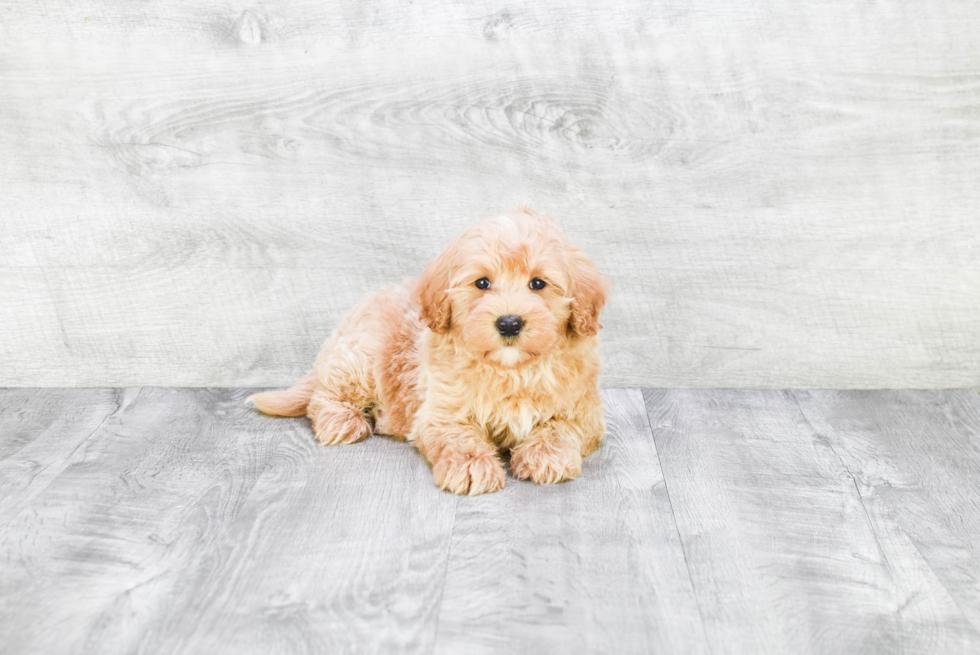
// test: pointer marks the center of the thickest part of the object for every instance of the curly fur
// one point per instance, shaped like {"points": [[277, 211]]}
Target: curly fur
{"points": [[423, 361]]}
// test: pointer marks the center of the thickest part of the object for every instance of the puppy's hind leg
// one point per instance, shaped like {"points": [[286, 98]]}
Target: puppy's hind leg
{"points": [[337, 422], [343, 392]]}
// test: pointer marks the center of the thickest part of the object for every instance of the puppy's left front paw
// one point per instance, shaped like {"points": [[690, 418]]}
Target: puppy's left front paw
{"points": [[462, 472], [546, 461]]}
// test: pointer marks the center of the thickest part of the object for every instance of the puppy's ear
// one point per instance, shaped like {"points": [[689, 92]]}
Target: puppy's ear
{"points": [[588, 294], [429, 293]]}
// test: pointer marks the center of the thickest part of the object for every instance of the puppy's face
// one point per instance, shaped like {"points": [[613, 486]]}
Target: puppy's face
{"points": [[511, 288]]}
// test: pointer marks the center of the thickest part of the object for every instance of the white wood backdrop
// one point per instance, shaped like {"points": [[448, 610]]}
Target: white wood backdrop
{"points": [[785, 193]]}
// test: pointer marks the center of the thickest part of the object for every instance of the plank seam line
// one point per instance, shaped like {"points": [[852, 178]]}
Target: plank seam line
{"points": [[673, 516], [445, 576], [867, 515], [874, 531], [14, 504], [45, 430], [82, 441], [857, 488]]}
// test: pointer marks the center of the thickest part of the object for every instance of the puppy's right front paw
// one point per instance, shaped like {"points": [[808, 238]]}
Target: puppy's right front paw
{"points": [[469, 473]]}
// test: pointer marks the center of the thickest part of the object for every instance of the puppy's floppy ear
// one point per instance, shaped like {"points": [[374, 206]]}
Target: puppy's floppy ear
{"points": [[588, 294], [429, 292]]}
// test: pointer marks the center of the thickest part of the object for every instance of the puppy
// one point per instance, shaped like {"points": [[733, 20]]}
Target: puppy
{"points": [[492, 349]]}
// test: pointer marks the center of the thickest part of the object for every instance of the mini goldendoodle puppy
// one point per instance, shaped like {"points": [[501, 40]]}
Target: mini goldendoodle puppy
{"points": [[492, 348]]}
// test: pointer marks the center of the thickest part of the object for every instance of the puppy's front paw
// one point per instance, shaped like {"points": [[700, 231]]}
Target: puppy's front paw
{"points": [[466, 472], [546, 461]]}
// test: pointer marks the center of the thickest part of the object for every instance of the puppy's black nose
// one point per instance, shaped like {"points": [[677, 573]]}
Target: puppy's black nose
{"points": [[509, 326]]}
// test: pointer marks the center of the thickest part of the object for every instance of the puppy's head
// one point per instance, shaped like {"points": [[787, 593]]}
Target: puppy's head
{"points": [[510, 288]]}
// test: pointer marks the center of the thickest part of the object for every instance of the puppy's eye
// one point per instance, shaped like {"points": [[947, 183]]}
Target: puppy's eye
{"points": [[537, 284], [483, 283]]}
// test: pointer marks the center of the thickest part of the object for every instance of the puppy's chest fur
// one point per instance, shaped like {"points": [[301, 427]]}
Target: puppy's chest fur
{"points": [[508, 404], [509, 411]]}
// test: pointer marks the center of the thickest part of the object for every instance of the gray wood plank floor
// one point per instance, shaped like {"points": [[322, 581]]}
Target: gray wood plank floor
{"points": [[163, 520]]}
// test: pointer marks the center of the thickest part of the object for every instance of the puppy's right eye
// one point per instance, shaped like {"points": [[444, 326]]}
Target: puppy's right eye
{"points": [[483, 283]]}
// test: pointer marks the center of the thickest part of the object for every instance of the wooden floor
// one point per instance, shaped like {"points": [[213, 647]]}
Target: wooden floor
{"points": [[164, 520]]}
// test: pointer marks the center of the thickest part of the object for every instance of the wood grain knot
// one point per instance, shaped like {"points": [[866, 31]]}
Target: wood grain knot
{"points": [[247, 28], [498, 25]]}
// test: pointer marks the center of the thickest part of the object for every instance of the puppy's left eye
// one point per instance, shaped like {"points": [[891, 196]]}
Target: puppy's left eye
{"points": [[537, 284]]}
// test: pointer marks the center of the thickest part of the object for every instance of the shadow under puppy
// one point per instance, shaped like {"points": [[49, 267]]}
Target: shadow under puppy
{"points": [[492, 348]]}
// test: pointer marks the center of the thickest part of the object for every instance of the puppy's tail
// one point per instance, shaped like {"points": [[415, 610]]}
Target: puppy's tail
{"points": [[291, 402]]}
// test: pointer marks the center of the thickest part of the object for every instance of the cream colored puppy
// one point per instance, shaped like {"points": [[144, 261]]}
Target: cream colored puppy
{"points": [[491, 349]]}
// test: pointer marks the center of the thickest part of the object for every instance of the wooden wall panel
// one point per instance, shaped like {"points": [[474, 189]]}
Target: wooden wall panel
{"points": [[784, 194]]}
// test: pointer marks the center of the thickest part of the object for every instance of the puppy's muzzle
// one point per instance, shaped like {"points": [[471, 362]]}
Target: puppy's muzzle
{"points": [[509, 326]]}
